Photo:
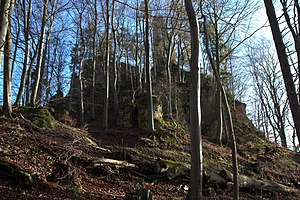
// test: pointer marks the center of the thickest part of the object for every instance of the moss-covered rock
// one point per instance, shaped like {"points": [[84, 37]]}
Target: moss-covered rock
{"points": [[173, 169], [39, 116]]}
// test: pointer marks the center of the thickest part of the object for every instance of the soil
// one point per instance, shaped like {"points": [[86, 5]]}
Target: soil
{"points": [[63, 162]]}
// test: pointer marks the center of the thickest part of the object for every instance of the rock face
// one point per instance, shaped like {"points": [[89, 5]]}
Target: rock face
{"points": [[208, 105], [133, 113], [132, 108]]}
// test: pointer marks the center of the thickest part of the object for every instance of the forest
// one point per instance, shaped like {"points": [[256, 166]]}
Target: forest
{"points": [[149, 99]]}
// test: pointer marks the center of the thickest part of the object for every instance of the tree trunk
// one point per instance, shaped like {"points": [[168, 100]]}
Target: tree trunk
{"points": [[227, 112], [80, 69], [40, 57], [4, 15], [81, 87], [195, 184], [29, 78], [94, 60], [116, 101], [45, 57], [137, 66], [285, 66], [26, 53], [148, 72], [106, 95], [17, 39], [7, 106], [219, 115], [169, 76]]}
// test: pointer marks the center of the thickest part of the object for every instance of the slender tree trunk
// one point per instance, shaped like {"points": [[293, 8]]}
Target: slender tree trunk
{"points": [[29, 79], [131, 72], [219, 116], [227, 113], [39, 95], [154, 60], [116, 100], [7, 105], [4, 15], [94, 60], [195, 185], [26, 53], [106, 95], [45, 57], [137, 66], [285, 66], [178, 62], [28, 85], [148, 72], [81, 87], [73, 76], [169, 76], [39, 61], [219, 109], [17, 39], [48, 78], [82, 51]]}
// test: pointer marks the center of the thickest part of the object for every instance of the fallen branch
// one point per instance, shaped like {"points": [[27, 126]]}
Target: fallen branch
{"points": [[251, 183], [108, 161]]}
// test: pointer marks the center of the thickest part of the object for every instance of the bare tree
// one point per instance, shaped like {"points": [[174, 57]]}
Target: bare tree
{"points": [[82, 52], [40, 55], [26, 30], [269, 89], [53, 4], [226, 107], [284, 64], [7, 104], [195, 185], [228, 27]]}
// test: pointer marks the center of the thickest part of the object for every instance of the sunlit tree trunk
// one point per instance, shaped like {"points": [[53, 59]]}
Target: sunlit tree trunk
{"points": [[7, 104], [171, 47], [106, 85], [178, 61], [4, 15], [285, 66], [17, 38], [227, 111], [137, 66], [219, 134], [40, 57], [80, 70], [26, 16], [39, 97], [195, 185], [29, 79], [148, 72], [114, 61]]}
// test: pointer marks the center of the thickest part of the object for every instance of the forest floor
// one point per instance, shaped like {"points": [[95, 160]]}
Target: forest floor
{"points": [[70, 163]]}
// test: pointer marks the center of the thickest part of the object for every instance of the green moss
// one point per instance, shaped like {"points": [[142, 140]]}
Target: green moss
{"points": [[165, 130], [26, 175], [74, 188], [172, 164], [173, 168], [223, 161], [39, 116]]}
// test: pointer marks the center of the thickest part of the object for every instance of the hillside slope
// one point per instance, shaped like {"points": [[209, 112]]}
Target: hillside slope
{"points": [[63, 162]]}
